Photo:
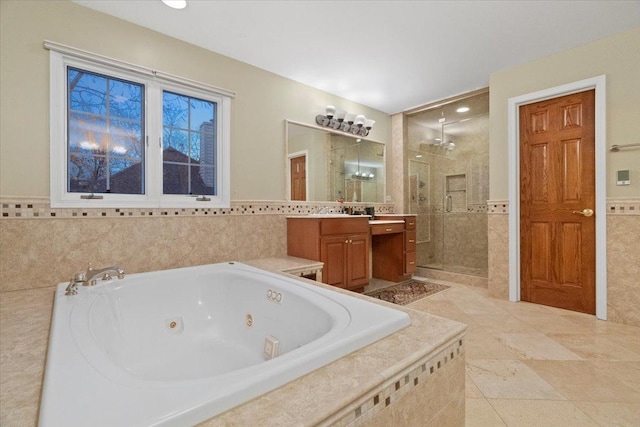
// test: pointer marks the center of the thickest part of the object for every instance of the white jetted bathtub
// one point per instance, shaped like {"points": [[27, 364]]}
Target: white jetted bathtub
{"points": [[176, 347]]}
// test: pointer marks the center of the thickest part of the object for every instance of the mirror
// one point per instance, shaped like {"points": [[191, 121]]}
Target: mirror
{"points": [[329, 166]]}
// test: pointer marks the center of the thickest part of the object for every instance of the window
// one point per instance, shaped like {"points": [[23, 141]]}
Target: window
{"points": [[125, 136], [105, 134], [189, 152]]}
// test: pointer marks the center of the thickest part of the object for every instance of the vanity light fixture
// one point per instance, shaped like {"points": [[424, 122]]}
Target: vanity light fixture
{"points": [[356, 124], [175, 4], [362, 176]]}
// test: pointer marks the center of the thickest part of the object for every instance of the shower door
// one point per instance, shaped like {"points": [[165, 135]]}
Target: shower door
{"points": [[429, 221]]}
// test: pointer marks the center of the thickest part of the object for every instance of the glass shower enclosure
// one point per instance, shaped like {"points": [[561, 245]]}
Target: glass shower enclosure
{"points": [[448, 183]]}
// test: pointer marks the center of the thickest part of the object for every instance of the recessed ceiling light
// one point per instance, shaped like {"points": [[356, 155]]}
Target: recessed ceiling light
{"points": [[462, 110], [176, 4]]}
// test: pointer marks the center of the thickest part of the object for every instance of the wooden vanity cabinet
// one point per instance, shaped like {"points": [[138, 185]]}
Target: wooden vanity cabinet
{"points": [[342, 244], [409, 250]]}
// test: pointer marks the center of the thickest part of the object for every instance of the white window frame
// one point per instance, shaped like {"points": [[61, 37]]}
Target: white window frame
{"points": [[155, 83]]}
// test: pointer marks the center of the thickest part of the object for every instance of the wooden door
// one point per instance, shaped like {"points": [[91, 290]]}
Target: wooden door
{"points": [[358, 261], [557, 199], [298, 178], [333, 253]]}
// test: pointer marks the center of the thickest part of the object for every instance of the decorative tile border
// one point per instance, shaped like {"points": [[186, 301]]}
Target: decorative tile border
{"points": [[370, 405], [623, 207], [471, 208], [614, 206], [40, 209], [498, 206], [478, 208]]}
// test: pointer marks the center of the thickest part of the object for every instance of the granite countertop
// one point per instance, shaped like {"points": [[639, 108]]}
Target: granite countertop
{"points": [[286, 264], [329, 215], [384, 214], [25, 318]]}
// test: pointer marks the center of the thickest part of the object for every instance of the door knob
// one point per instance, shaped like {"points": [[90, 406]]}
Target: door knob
{"points": [[585, 212]]}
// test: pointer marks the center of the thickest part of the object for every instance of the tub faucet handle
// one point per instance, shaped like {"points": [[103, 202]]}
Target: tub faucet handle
{"points": [[89, 277]]}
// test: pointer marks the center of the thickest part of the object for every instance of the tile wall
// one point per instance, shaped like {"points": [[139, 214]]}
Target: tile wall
{"points": [[623, 257], [41, 246]]}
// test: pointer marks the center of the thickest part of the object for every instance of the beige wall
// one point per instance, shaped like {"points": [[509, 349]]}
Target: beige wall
{"points": [[618, 58], [262, 103]]}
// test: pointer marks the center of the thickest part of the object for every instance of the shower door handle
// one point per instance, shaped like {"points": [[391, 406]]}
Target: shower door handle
{"points": [[449, 203]]}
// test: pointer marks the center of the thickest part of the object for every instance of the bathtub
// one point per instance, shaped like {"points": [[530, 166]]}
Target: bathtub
{"points": [[176, 347]]}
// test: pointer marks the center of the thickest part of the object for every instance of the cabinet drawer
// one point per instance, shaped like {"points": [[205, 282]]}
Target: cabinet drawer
{"points": [[410, 223], [377, 229], [344, 226], [410, 259], [410, 241]]}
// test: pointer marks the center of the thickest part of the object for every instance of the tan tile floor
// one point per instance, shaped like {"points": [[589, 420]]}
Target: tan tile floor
{"points": [[531, 365]]}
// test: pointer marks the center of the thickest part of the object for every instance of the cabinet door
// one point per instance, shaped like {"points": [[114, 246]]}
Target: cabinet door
{"points": [[334, 253], [358, 261]]}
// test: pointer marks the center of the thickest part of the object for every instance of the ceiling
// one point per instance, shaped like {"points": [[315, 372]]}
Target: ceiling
{"points": [[446, 117], [389, 55]]}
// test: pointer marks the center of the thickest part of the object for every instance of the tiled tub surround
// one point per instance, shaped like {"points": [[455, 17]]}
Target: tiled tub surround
{"points": [[416, 374], [623, 259]]}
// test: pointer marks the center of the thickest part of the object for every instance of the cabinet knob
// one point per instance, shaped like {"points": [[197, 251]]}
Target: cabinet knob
{"points": [[346, 241]]}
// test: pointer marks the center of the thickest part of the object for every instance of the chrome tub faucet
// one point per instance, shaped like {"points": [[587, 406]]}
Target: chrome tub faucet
{"points": [[89, 277]]}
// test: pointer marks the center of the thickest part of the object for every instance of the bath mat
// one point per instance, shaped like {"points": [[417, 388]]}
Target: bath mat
{"points": [[407, 292]]}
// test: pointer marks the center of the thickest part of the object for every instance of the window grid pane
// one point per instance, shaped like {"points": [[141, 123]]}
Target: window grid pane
{"points": [[105, 134], [188, 145]]}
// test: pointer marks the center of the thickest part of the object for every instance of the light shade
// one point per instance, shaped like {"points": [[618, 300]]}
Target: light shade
{"points": [[331, 111], [175, 4]]}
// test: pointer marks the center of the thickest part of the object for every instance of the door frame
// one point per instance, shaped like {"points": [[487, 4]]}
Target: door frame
{"points": [[513, 152], [290, 156]]}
